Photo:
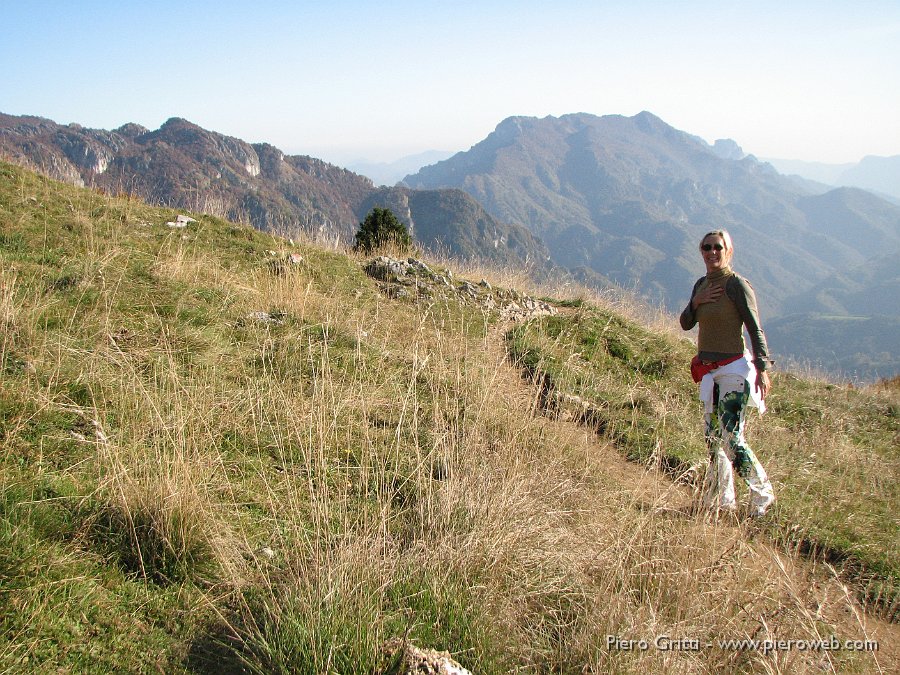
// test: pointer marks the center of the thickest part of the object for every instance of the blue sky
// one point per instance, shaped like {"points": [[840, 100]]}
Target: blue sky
{"points": [[348, 80]]}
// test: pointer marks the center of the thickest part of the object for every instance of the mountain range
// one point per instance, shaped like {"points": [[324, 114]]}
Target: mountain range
{"points": [[185, 166], [605, 200], [629, 198]]}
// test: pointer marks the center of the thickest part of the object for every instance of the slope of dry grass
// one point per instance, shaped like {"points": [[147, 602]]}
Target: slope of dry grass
{"points": [[208, 466]]}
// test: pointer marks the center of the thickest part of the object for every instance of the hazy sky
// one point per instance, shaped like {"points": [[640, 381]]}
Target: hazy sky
{"points": [[349, 79]]}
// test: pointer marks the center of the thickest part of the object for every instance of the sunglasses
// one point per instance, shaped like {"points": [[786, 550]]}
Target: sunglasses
{"points": [[710, 247]]}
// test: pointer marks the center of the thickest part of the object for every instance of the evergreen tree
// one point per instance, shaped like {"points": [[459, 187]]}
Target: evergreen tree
{"points": [[381, 228]]}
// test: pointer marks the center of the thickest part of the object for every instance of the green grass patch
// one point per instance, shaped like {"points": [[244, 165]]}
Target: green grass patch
{"points": [[340, 624], [830, 451], [632, 379]]}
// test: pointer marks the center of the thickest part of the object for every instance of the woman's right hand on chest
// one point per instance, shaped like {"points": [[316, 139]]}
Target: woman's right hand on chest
{"points": [[708, 294]]}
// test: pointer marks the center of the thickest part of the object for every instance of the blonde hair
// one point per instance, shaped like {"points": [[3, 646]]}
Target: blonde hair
{"points": [[726, 239]]}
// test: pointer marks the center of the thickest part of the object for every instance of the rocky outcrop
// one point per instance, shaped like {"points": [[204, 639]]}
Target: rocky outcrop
{"points": [[91, 151], [414, 279], [411, 660]]}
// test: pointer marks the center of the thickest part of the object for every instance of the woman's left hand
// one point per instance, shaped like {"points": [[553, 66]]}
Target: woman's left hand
{"points": [[763, 383]]}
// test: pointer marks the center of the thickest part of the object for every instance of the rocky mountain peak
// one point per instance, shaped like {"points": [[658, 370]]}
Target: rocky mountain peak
{"points": [[131, 130], [728, 149]]}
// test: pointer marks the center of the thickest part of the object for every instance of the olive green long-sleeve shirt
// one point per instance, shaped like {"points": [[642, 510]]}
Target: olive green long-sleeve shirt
{"points": [[722, 322]]}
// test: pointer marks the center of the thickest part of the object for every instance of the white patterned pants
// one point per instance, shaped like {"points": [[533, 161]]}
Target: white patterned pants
{"points": [[729, 452]]}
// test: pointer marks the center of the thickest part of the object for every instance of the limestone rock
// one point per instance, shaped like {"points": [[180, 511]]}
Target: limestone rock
{"points": [[419, 268], [181, 221], [399, 278], [417, 661], [384, 268], [267, 318]]}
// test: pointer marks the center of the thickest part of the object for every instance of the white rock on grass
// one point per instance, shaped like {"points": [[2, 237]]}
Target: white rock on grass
{"points": [[423, 661]]}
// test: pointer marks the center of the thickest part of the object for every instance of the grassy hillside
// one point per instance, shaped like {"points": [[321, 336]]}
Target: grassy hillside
{"points": [[831, 451], [213, 460]]}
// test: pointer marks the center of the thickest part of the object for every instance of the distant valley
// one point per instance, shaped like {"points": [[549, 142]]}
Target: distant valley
{"points": [[391, 173], [880, 175]]}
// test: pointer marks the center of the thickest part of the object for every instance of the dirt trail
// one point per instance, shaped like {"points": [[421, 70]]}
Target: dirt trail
{"points": [[814, 584]]}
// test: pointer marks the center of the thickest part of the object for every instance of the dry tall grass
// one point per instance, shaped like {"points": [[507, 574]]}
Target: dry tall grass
{"points": [[362, 469], [523, 516]]}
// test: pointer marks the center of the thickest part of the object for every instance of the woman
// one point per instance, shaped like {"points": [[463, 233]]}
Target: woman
{"points": [[723, 303]]}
